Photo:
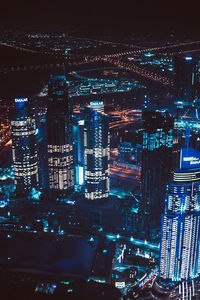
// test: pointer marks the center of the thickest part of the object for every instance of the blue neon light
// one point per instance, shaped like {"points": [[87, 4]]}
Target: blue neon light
{"points": [[188, 58], [19, 102], [189, 159]]}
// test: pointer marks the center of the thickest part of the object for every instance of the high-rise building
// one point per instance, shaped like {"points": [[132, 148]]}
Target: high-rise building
{"points": [[97, 153], [180, 224], [186, 79], [156, 165], [97, 105], [125, 152], [59, 136], [78, 152], [24, 146]]}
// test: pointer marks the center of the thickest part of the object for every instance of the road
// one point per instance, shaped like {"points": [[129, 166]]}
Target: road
{"points": [[134, 241], [124, 173], [128, 116]]}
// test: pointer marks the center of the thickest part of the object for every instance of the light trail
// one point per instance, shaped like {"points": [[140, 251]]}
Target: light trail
{"points": [[141, 71], [128, 116], [134, 241]]}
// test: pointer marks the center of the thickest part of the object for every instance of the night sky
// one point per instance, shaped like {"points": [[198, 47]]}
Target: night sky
{"points": [[119, 15]]}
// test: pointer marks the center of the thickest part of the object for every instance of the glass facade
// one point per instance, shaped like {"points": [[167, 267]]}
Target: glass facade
{"points": [[59, 135], [180, 227], [157, 160], [78, 152], [24, 147], [97, 154], [186, 72], [125, 152]]}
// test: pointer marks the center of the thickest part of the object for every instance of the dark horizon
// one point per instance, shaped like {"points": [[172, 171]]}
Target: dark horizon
{"points": [[136, 16]]}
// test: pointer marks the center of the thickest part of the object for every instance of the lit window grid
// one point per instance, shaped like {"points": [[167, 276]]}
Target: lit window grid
{"points": [[24, 153], [179, 252], [96, 158]]}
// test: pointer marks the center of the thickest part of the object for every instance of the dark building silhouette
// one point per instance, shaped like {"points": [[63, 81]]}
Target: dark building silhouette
{"points": [[186, 79], [157, 159], [125, 152], [59, 136]]}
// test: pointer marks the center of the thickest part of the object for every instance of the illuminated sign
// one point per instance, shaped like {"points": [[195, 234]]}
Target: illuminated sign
{"points": [[188, 58], [21, 100], [189, 158], [120, 285], [96, 103]]}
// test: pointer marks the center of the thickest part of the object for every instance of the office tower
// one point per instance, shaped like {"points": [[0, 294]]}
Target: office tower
{"points": [[180, 224], [24, 148], [186, 79], [97, 105], [125, 152], [156, 165], [97, 153], [78, 152], [59, 136]]}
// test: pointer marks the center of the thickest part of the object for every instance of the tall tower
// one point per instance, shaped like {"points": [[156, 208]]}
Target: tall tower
{"points": [[180, 224], [24, 147], [78, 152], [186, 77], [156, 165], [125, 152], [59, 136], [97, 152]]}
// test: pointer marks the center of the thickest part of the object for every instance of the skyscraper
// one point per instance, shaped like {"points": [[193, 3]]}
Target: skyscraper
{"points": [[180, 224], [59, 136], [97, 152], [125, 152], [78, 152], [186, 78], [156, 165], [24, 148]]}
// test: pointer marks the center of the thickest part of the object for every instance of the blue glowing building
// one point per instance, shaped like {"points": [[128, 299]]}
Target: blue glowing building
{"points": [[78, 152], [125, 152], [97, 152], [180, 224], [59, 136], [24, 147]]}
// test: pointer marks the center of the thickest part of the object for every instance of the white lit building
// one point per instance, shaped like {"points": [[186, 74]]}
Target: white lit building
{"points": [[97, 153], [180, 225], [24, 148]]}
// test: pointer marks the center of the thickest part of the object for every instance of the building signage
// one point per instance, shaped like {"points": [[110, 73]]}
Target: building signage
{"points": [[189, 158], [21, 100], [98, 103], [120, 284]]}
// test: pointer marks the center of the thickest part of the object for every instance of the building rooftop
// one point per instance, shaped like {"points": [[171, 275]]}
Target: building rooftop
{"points": [[71, 255]]}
